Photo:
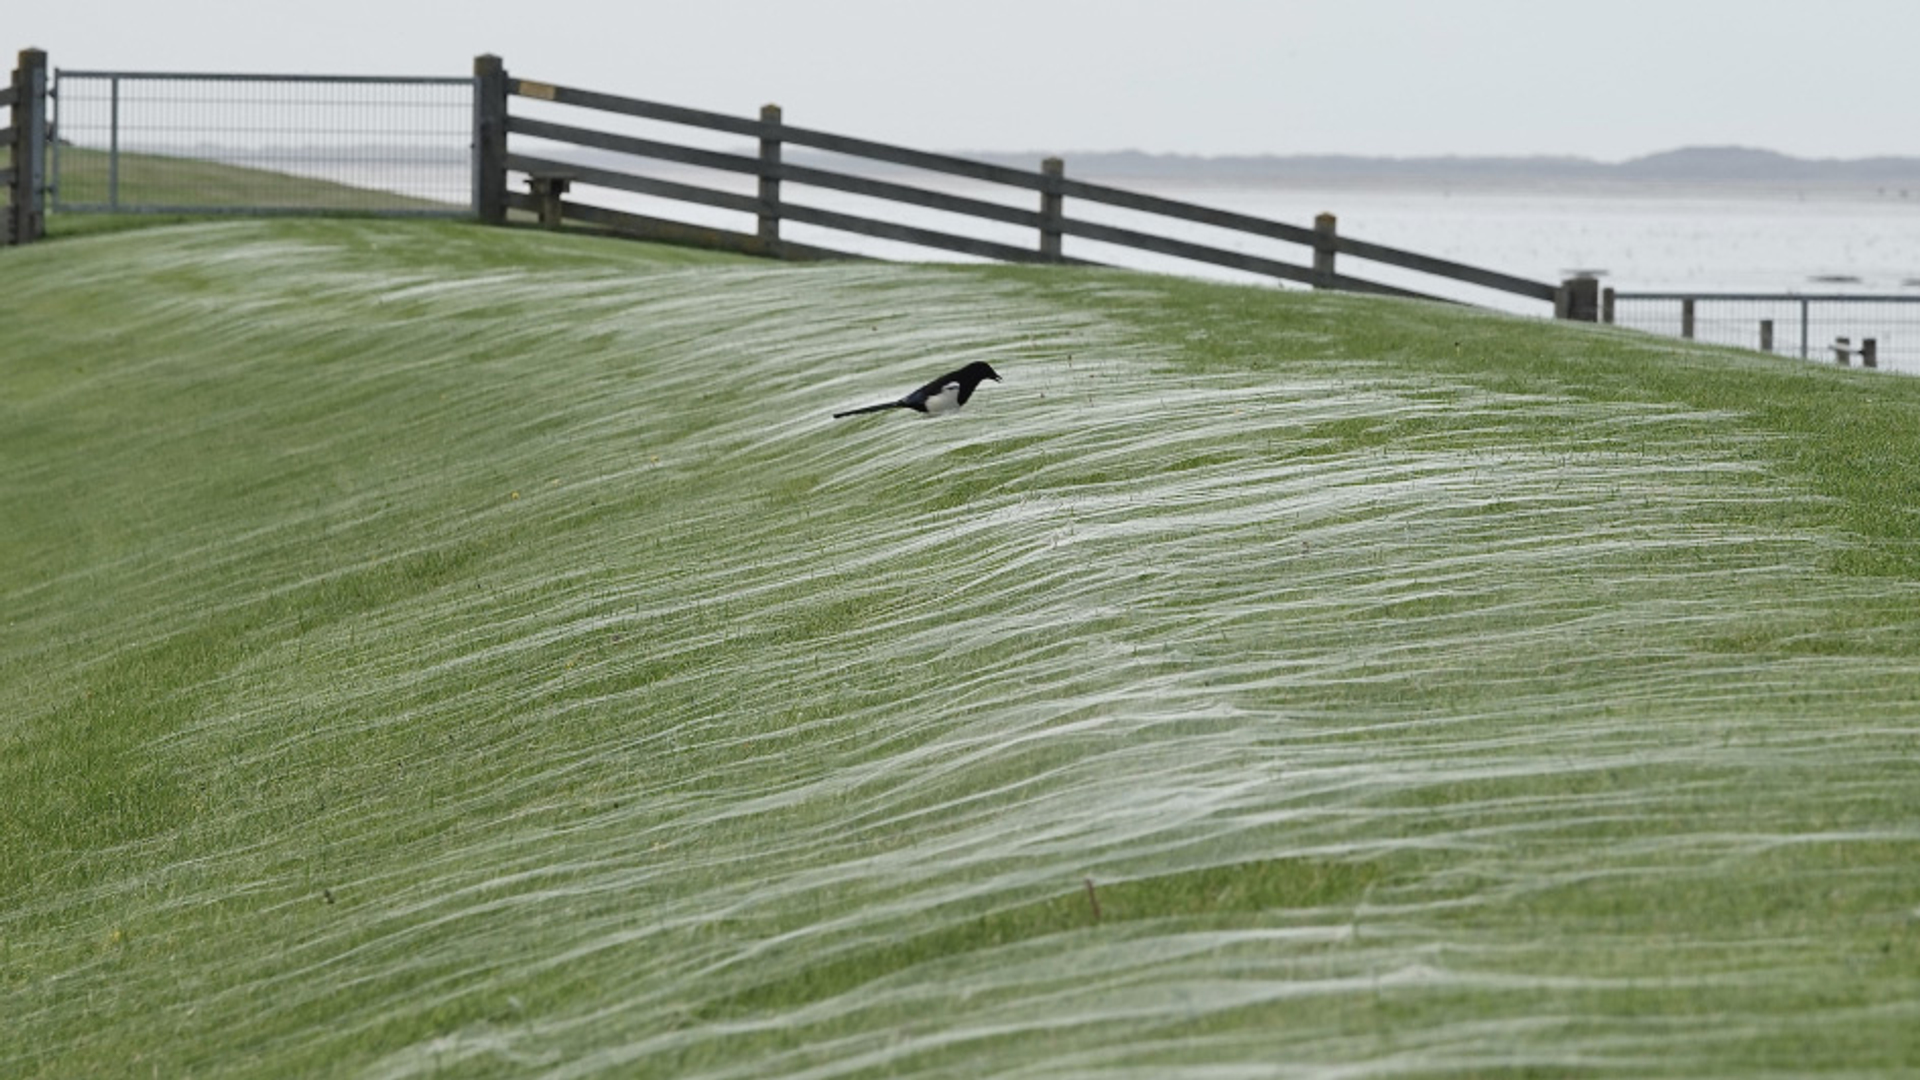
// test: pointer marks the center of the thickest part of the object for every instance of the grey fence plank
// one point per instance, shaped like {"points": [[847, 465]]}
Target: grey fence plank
{"points": [[680, 232], [932, 200], [1427, 264], [641, 226], [1276, 230], [639, 185], [887, 230], [8, 95], [1184, 211], [796, 174], [646, 110], [1185, 249], [1233, 259], [918, 159], [1343, 283], [819, 140], [628, 144], [977, 170]]}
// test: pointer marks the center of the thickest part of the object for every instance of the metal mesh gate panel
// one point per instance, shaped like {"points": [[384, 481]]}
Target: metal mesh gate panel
{"points": [[1807, 325], [148, 142]]}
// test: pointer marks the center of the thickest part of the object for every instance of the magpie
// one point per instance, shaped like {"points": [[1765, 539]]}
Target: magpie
{"points": [[942, 395]]}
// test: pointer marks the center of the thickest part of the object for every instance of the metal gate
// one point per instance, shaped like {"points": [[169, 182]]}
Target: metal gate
{"points": [[149, 142], [1812, 326]]}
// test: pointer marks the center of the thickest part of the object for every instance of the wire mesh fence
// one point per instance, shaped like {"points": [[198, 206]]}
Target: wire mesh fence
{"points": [[216, 143], [1810, 326]]}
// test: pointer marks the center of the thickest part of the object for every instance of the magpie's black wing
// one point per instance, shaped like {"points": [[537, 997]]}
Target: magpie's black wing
{"points": [[920, 396]]}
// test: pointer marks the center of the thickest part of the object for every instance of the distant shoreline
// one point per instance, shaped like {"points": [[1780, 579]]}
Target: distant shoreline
{"points": [[1703, 172], [1692, 168]]}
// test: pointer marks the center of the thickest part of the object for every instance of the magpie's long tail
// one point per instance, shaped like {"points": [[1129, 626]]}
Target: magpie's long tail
{"points": [[870, 408]]}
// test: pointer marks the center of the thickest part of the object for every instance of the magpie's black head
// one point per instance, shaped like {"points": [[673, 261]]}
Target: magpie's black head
{"points": [[978, 370]]}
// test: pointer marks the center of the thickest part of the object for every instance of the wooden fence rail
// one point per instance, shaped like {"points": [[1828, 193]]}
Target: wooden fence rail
{"points": [[549, 178]]}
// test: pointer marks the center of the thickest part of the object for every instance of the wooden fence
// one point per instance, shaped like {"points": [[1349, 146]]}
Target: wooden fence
{"points": [[549, 179], [24, 138]]}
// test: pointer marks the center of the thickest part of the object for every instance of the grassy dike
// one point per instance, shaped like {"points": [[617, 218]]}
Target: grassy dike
{"points": [[427, 650]]}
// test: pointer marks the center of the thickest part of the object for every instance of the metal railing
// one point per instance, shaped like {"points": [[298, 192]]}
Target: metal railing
{"points": [[1811, 326], [143, 142]]}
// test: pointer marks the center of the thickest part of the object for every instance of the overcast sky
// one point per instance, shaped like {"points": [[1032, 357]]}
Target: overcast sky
{"points": [[1608, 80]]}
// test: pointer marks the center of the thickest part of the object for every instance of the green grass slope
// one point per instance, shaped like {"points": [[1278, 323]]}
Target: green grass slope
{"points": [[140, 181], [427, 650]]}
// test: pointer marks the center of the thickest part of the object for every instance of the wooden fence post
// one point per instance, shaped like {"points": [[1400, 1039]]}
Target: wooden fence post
{"points": [[1578, 299], [770, 176], [1052, 207], [1686, 318], [1766, 335], [1326, 227], [490, 139], [1606, 305], [1869, 352], [27, 214], [1842, 351]]}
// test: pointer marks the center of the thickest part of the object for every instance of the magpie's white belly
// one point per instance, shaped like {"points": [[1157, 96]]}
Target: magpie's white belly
{"points": [[947, 400]]}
